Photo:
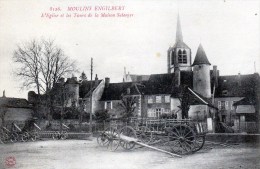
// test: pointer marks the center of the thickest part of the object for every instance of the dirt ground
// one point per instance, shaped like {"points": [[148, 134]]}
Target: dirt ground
{"points": [[86, 154]]}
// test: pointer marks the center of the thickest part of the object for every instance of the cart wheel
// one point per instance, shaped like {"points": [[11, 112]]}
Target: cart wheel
{"points": [[112, 139], [56, 135], [64, 135], [129, 132], [199, 143], [35, 136], [181, 139], [14, 137], [102, 139], [144, 134], [4, 138], [25, 137]]}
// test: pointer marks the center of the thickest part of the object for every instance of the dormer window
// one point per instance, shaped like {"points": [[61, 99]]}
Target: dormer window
{"points": [[224, 92], [182, 56]]}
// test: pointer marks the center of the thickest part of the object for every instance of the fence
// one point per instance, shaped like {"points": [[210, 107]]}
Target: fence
{"points": [[249, 127]]}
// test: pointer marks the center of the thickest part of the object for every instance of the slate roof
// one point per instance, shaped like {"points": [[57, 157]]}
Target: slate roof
{"points": [[114, 91], [157, 84], [180, 44], [72, 80], [197, 99], [14, 102], [231, 86], [138, 78], [245, 101], [84, 88], [201, 57]]}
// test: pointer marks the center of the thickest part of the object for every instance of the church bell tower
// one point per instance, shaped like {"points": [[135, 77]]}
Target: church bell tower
{"points": [[179, 56]]}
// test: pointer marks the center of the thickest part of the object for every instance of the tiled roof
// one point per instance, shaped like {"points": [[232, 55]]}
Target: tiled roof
{"points": [[114, 91], [237, 85], [138, 78], [157, 84], [180, 44], [14, 102], [85, 86], [245, 101]]}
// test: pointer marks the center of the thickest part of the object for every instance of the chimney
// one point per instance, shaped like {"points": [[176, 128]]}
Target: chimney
{"points": [[177, 77], [107, 81], [215, 75], [4, 93], [96, 80], [239, 79]]}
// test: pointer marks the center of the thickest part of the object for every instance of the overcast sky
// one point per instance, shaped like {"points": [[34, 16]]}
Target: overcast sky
{"points": [[228, 31]]}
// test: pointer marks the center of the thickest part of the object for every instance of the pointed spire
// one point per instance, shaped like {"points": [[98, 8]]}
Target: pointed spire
{"points": [[179, 32], [201, 57]]}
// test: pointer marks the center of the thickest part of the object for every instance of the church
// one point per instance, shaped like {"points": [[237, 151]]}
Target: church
{"points": [[190, 89]]}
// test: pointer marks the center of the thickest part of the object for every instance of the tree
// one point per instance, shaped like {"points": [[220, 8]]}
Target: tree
{"points": [[184, 99], [83, 76], [102, 115], [128, 103], [41, 64]]}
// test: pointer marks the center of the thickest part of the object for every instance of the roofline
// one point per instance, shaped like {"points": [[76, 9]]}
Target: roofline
{"points": [[198, 96]]}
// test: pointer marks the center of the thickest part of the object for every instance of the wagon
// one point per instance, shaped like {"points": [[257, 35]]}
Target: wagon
{"points": [[169, 135]]}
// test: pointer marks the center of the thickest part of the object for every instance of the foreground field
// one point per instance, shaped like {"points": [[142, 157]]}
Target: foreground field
{"points": [[86, 154]]}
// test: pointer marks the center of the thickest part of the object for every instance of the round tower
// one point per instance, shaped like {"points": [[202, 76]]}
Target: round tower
{"points": [[71, 92], [201, 73]]}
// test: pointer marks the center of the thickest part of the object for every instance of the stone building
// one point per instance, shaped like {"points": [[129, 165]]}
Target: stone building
{"points": [[233, 100], [14, 110]]}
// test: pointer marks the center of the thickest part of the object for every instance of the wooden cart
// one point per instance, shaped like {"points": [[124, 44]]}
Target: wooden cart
{"points": [[178, 137]]}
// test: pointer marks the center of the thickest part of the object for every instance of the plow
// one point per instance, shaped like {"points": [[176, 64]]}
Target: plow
{"points": [[173, 137]]}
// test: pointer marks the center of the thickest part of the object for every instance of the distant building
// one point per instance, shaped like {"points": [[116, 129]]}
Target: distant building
{"points": [[14, 110], [233, 100]]}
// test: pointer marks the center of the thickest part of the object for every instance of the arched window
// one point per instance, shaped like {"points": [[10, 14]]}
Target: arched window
{"points": [[182, 56], [172, 57]]}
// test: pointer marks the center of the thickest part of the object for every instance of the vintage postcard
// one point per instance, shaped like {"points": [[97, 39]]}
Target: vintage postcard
{"points": [[129, 84]]}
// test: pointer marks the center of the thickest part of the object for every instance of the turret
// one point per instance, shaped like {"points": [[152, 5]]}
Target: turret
{"points": [[72, 91], [201, 73], [180, 54]]}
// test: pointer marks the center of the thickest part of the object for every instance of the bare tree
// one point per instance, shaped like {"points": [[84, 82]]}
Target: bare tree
{"points": [[41, 64]]}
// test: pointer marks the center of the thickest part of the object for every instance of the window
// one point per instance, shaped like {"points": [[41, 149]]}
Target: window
{"points": [[150, 99], [231, 105], [226, 105], [158, 99], [219, 104], [224, 92], [167, 99], [158, 112], [166, 111], [172, 57], [151, 113], [182, 56], [222, 105], [108, 105]]}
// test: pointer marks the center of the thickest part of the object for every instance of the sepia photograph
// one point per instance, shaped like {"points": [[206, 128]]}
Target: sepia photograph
{"points": [[129, 84]]}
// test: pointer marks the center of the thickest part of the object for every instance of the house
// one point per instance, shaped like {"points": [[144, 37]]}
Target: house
{"points": [[14, 110], [190, 89]]}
